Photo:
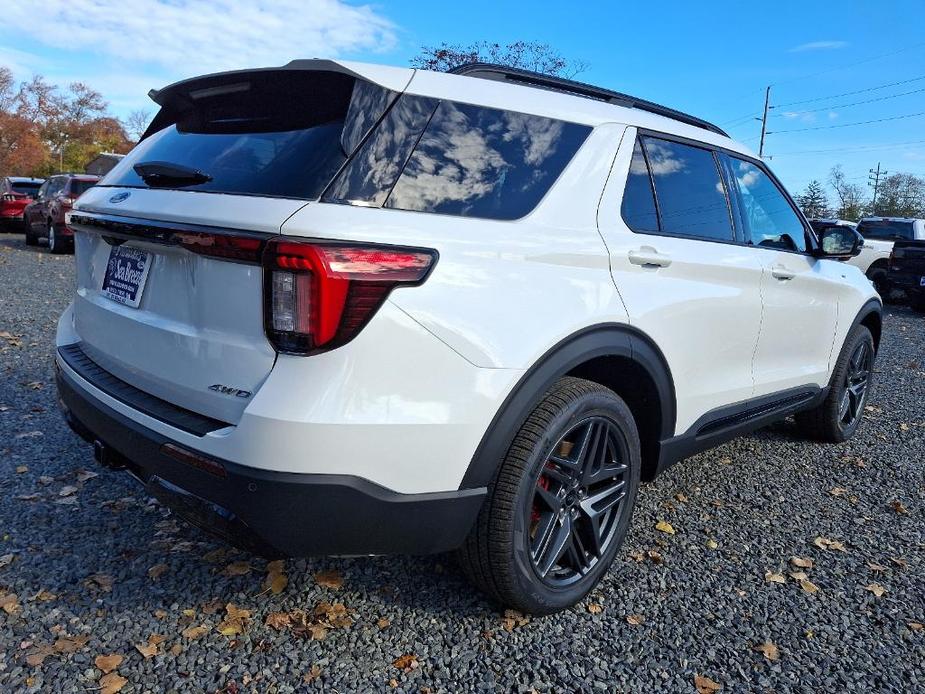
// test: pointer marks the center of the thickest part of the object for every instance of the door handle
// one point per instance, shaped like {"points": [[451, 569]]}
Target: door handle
{"points": [[782, 273], [648, 257]]}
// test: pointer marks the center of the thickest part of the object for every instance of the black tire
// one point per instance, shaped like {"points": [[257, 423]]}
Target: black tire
{"points": [[498, 556], [879, 277], [838, 417], [31, 238]]}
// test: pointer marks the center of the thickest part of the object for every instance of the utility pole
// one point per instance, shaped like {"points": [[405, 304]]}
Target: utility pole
{"points": [[874, 180], [764, 120]]}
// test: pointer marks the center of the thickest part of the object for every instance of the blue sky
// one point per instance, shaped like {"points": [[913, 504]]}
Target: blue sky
{"points": [[710, 59]]}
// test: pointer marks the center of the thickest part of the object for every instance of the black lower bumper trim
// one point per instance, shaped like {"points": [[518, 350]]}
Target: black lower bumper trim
{"points": [[275, 513]]}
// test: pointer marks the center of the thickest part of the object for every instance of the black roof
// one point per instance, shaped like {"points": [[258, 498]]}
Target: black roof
{"points": [[527, 78]]}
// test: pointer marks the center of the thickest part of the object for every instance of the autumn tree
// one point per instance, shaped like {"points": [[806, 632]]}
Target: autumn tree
{"points": [[136, 124], [526, 55], [813, 200], [851, 197]]}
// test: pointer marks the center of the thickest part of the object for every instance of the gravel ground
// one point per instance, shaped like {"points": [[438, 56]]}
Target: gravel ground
{"points": [[99, 569]]}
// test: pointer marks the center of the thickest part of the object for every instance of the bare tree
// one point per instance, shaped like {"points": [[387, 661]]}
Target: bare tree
{"points": [[136, 124], [901, 195], [851, 196], [526, 55]]}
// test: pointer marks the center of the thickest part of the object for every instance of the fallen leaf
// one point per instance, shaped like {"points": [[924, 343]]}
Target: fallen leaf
{"points": [[383, 623], [513, 619], [705, 685], [37, 657], [216, 555], [768, 649], [900, 562], [313, 674], [826, 543], [21, 469], [329, 579], [156, 571], [235, 621], [112, 683], [774, 577], [276, 581], [45, 596], [680, 497], [876, 567], [102, 581], [898, 507], [84, 475], [238, 568], [67, 491], [798, 575], [71, 644], [654, 556], [278, 620], [875, 588], [809, 586], [34, 385], [594, 608], [6, 560], [147, 650], [108, 663], [9, 603], [712, 544], [801, 562], [838, 491], [194, 632], [406, 662], [635, 619], [915, 626], [665, 527]]}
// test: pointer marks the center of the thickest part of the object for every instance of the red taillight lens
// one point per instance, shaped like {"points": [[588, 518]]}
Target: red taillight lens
{"points": [[242, 248], [320, 295]]}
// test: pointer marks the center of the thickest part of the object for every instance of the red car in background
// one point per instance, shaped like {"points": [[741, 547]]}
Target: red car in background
{"points": [[44, 218], [15, 193]]}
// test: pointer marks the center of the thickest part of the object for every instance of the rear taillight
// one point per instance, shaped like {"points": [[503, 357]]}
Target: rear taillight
{"points": [[7, 197], [318, 296]]}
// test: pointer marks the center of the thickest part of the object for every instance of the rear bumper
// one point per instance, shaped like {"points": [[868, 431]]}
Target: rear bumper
{"points": [[910, 281], [273, 513]]}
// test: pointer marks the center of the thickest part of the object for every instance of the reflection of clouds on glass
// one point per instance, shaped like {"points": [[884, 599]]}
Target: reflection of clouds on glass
{"points": [[748, 174], [662, 159], [373, 170], [538, 136], [367, 103]]}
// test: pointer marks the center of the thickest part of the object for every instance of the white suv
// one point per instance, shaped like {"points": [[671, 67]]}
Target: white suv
{"points": [[880, 233], [334, 308]]}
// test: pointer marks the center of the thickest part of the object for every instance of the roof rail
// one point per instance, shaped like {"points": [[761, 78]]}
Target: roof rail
{"points": [[535, 79]]}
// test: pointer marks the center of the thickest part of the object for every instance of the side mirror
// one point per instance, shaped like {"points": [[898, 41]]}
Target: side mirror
{"points": [[839, 243]]}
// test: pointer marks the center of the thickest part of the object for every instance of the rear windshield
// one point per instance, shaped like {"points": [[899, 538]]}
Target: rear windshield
{"points": [[26, 188], [886, 229], [284, 136], [79, 187]]}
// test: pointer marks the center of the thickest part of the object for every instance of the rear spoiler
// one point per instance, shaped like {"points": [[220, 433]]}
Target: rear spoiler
{"points": [[179, 97]]}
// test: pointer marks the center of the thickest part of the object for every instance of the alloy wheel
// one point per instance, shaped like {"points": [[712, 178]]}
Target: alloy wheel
{"points": [[857, 379], [578, 501]]}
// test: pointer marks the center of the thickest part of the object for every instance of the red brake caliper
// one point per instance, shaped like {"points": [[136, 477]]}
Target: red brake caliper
{"points": [[535, 515]]}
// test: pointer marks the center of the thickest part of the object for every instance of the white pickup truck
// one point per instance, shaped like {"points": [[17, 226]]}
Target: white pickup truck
{"points": [[879, 235]]}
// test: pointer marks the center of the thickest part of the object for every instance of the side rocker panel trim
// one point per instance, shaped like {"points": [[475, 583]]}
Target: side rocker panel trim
{"points": [[615, 340]]}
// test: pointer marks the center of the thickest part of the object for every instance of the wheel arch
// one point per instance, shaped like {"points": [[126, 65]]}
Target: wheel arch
{"points": [[871, 317], [618, 357]]}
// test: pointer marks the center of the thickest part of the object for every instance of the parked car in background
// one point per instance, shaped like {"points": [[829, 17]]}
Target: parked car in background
{"points": [[15, 193], [335, 308], [45, 217], [879, 235], [907, 271]]}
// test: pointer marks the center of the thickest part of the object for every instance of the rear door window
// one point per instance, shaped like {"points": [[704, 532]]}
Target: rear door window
{"points": [[689, 192], [638, 208], [25, 188], [886, 229]]}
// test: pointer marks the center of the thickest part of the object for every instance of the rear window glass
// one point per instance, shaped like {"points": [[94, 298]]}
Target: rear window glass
{"points": [[78, 187], [458, 159], [690, 193], [285, 134], [25, 188], [886, 229], [638, 209]]}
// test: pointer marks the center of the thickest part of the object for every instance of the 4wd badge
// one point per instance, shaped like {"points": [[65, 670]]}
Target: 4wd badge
{"points": [[228, 390]]}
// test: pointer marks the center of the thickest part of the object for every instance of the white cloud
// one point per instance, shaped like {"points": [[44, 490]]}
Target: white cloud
{"points": [[189, 37], [818, 46]]}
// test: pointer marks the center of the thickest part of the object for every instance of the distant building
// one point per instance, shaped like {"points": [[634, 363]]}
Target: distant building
{"points": [[102, 163]]}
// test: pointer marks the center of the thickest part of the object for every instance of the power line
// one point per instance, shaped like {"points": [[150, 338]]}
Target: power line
{"points": [[847, 125], [865, 148], [854, 103], [857, 91], [859, 62]]}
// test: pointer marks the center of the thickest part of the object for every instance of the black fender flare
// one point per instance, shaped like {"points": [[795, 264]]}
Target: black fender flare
{"points": [[870, 307], [609, 339]]}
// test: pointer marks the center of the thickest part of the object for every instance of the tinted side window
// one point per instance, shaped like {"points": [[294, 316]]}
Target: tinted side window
{"points": [[690, 193], [886, 229], [770, 220], [474, 161], [638, 200]]}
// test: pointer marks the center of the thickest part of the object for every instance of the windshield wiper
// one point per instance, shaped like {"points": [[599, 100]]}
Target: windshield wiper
{"points": [[163, 173]]}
